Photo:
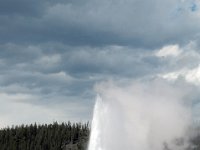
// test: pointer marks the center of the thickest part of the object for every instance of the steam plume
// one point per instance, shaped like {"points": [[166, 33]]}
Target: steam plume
{"points": [[150, 116]]}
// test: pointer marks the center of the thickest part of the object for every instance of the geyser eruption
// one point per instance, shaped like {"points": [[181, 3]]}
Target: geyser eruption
{"points": [[139, 116]]}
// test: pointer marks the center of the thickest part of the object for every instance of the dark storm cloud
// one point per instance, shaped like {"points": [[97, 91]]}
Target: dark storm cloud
{"points": [[27, 8], [84, 61], [66, 70], [21, 7], [98, 23], [52, 53]]}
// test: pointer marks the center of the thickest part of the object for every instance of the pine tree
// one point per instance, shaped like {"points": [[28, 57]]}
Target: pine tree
{"points": [[44, 137]]}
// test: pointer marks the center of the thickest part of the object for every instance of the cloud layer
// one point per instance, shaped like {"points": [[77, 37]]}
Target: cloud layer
{"points": [[53, 53]]}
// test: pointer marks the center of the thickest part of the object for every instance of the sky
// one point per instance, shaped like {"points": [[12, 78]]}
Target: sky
{"points": [[53, 53]]}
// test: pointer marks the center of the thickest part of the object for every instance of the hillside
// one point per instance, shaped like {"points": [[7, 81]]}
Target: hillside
{"points": [[45, 137], [64, 136]]}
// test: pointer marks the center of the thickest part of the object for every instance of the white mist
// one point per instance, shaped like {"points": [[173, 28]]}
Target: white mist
{"points": [[139, 117]]}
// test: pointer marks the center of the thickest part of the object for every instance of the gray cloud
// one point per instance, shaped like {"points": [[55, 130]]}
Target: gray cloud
{"points": [[54, 76], [21, 7], [100, 22], [52, 53]]}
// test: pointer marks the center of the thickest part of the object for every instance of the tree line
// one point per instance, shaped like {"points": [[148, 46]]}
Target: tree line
{"points": [[63, 136], [53, 136]]}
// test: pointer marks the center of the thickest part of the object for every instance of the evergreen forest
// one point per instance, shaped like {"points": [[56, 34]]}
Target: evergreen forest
{"points": [[64, 136], [55, 136]]}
